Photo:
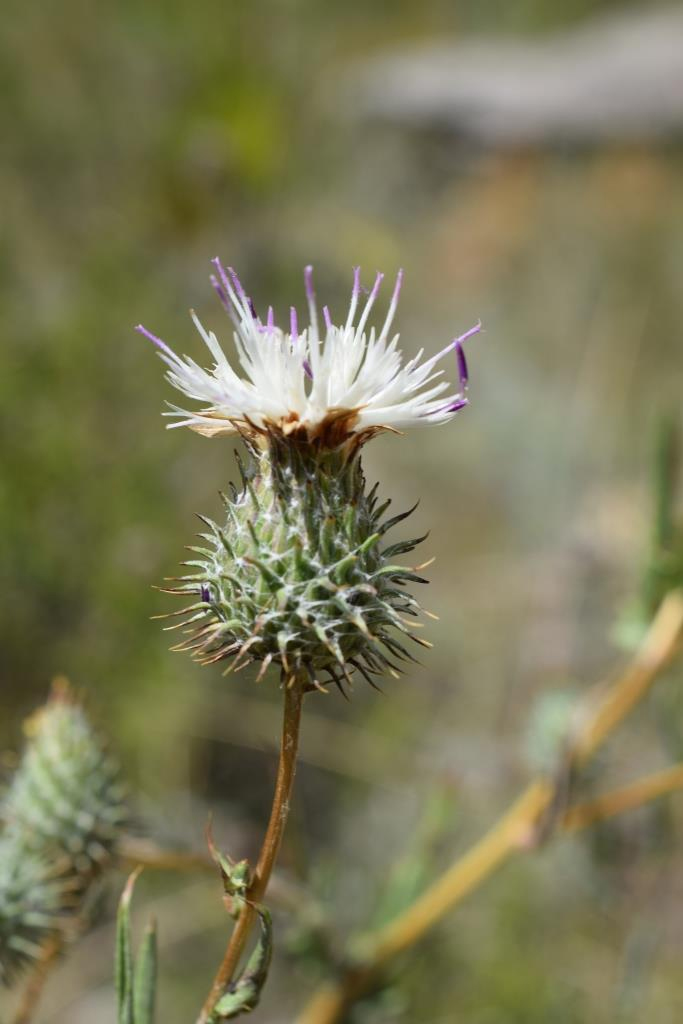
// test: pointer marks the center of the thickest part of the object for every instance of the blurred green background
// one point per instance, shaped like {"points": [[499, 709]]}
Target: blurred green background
{"points": [[139, 141]]}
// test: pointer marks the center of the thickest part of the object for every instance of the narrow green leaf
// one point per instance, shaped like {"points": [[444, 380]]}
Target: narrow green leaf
{"points": [[123, 968], [144, 986]]}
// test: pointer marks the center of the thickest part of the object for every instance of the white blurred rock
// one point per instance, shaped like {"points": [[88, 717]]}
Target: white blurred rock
{"points": [[616, 79]]}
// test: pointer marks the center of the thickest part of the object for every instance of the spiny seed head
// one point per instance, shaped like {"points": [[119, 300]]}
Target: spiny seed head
{"points": [[62, 816], [67, 793], [300, 574], [38, 897]]}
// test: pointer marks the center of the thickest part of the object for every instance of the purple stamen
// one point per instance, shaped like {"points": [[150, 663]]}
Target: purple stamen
{"points": [[462, 365], [328, 318], [456, 406], [156, 341], [468, 334], [397, 287], [293, 323], [355, 291], [252, 308], [205, 593], [454, 344], [376, 286], [227, 292], [237, 284], [270, 322], [307, 369], [222, 274], [218, 288]]}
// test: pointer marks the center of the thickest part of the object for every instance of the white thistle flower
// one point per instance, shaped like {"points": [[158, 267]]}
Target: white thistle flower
{"points": [[325, 381]]}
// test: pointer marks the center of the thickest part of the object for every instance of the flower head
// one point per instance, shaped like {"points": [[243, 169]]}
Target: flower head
{"points": [[326, 381], [300, 576]]}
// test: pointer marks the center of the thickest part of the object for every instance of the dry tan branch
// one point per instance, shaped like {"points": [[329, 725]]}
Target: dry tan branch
{"points": [[518, 829]]}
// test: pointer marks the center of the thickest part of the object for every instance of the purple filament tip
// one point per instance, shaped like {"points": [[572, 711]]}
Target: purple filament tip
{"points": [[468, 334], [376, 286], [237, 284], [456, 406], [221, 273], [153, 338], [205, 594], [397, 287], [328, 318], [355, 291], [270, 322], [293, 322], [462, 365], [307, 369], [218, 288], [252, 308]]}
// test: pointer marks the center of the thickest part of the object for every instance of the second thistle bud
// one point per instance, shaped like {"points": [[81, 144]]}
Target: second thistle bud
{"points": [[67, 796], [300, 574], [63, 815]]}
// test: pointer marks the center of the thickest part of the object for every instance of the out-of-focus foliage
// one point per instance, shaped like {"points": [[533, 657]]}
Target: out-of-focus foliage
{"points": [[665, 570], [140, 141]]}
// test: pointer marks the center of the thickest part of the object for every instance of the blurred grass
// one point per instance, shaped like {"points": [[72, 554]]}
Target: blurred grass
{"points": [[140, 141]]}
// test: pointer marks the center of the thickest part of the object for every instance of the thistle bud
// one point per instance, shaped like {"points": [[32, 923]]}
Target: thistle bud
{"points": [[63, 814], [300, 574], [37, 898], [67, 793]]}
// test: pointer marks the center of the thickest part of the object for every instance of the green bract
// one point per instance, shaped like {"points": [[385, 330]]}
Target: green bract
{"points": [[300, 574]]}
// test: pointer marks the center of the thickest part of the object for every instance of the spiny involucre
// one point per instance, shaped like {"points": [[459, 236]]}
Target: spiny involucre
{"points": [[300, 575], [63, 814]]}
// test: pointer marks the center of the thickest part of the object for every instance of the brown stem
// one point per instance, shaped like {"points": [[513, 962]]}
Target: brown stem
{"points": [[519, 827], [36, 983], [133, 852], [509, 834], [624, 799], [293, 703], [616, 701], [329, 1003]]}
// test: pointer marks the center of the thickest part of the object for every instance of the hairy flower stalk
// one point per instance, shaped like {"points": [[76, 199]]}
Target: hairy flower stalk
{"points": [[300, 574], [62, 815]]}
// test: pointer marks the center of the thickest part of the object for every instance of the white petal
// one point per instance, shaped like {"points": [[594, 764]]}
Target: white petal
{"points": [[300, 376]]}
